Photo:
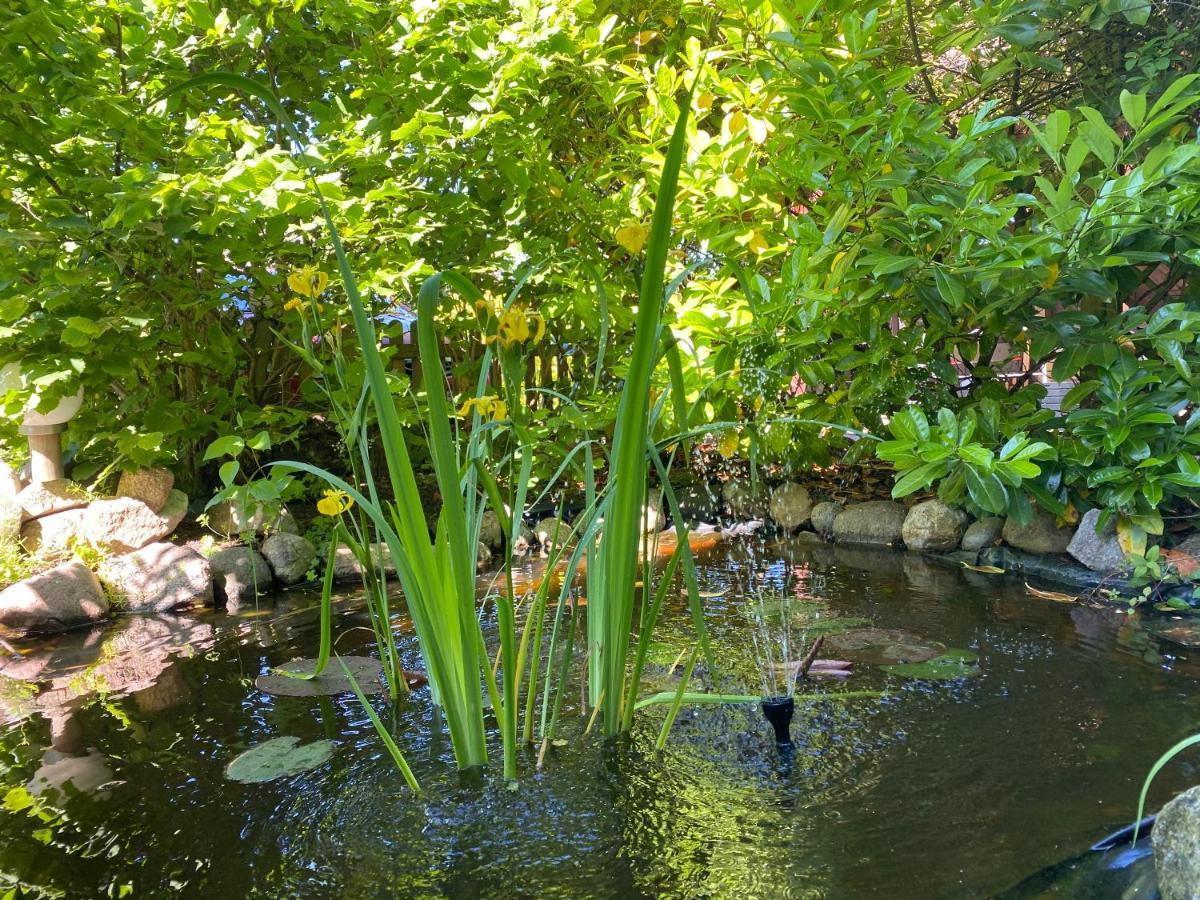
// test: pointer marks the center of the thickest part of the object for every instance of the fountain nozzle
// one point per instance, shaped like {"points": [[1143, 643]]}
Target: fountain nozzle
{"points": [[778, 711]]}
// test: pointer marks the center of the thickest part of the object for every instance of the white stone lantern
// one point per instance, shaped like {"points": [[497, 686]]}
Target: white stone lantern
{"points": [[43, 429]]}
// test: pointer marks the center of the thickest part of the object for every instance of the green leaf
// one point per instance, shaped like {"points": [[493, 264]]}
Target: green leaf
{"points": [[951, 665], [986, 490], [278, 758], [950, 288], [1058, 127], [1133, 106], [227, 445], [229, 471]]}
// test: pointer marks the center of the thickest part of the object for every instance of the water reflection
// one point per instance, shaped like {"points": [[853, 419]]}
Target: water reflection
{"points": [[956, 788]]}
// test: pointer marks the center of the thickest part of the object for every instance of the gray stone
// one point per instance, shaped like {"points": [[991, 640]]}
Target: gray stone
{"points": [[483, 556], [64, 597], [1176, 839], [44, 497], [289, 555], [1099, 552], [653, 517], [1041, 535], [346, 567], [876, 523], [743, 500], [54, 537], [230, 519], [550, 532], [1190, 545], [490, 532], [822, 517], [174, 510], [151, 486], [984, 533], [159, 578], [123, 524], [808, 537], [932, 525], [790, 505], [10, 481], [239, 574]]}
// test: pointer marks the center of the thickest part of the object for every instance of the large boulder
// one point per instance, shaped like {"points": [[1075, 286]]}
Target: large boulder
{"points": [[64, 597], [490, 532], [1040, 535], [151, 486], [230, 519], [790, 506], [10, 481], [1099, 552], [174, 510], [41, 498], [984, 533], [239, 574], [876, 522], [551, 533], [123, 524], [744, 500], [289, 555], [159, 578], [346, 567], [1176, 839], [932, 525], [54, 536], [822, 516]]}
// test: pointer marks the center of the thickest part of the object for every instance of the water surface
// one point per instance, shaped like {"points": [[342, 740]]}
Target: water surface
{"points": [[119, 738]]}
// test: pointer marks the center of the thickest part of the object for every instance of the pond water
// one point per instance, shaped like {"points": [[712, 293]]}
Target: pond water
{"points": [[115, 742]]}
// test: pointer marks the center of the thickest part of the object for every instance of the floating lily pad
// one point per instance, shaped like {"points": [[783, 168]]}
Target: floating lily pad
{"points": [[366, 671], [832, 626], [278, 758], [950, 665], [884, 646]]}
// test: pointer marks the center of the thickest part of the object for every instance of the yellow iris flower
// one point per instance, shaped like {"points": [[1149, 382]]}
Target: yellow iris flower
{"points": [[518, 325], [487, 406], [308, 281], [294, 304], [334, 503]]}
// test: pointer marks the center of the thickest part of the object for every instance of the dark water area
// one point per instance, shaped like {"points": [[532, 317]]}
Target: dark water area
{"points": [[114, 745]]}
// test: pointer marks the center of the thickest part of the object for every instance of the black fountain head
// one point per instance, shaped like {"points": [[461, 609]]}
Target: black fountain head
{"points": [[778, 711]]}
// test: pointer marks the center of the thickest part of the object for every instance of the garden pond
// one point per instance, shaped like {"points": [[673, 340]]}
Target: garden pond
{"points": [[1021, 741]]}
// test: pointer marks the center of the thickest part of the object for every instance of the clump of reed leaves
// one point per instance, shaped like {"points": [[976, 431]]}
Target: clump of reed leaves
{"points": [[437, 572]]}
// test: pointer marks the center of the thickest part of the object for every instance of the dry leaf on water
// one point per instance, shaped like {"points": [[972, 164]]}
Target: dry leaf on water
{"points": [[1050, 595]]}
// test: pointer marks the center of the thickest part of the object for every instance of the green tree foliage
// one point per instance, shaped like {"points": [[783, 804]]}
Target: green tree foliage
{"points": [[880, 205]]}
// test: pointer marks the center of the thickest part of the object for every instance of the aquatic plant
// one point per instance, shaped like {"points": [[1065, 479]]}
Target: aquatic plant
{"points": [[1150, 776], [438, 572]]}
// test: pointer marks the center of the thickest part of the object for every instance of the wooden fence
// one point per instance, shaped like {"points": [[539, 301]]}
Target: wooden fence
{"points": [[553, 367]]}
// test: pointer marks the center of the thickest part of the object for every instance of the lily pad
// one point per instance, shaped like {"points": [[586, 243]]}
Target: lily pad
{"points": [[278, 758], [885, 646], [950, 665], [831, 626], [366, 671]]}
